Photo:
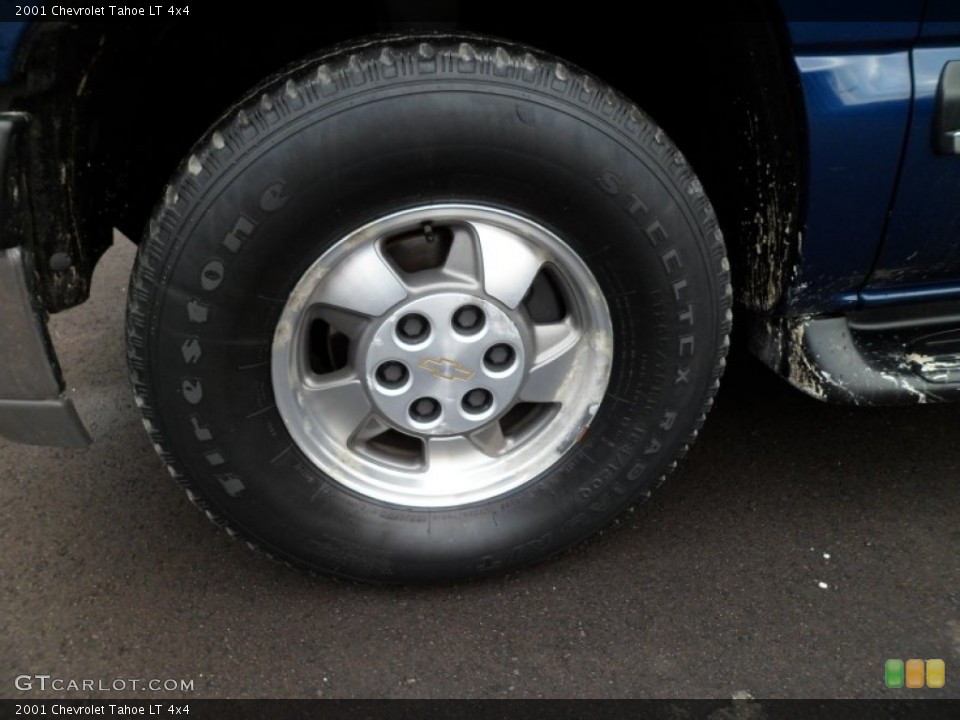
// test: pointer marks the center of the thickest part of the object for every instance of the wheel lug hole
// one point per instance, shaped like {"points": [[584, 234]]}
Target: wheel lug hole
{"points": [[499, 357], [469, 320], [477, 401], [424, 410], [413, 328], [392, 374]]}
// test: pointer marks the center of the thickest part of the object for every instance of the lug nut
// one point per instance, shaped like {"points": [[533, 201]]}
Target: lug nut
{"points": [[424, 410], [477, 401], [499, 357], [413, 328], [392, 374], [469, 319]]}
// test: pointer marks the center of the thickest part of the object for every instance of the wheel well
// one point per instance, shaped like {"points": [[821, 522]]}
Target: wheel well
{"points": [[729, 96], [725, 92]]}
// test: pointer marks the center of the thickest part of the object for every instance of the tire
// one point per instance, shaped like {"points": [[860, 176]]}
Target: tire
{"points": [[408, 178]]}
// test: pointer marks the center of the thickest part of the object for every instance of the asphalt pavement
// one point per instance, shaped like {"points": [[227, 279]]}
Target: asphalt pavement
{"points": [[798, 547]]}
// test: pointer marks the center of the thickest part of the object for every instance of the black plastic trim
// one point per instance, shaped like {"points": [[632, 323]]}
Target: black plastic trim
{"points": [[42, 422], [33, 408], [904, 355]]}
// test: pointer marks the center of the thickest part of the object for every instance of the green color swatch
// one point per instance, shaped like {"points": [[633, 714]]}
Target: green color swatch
{"points": [[893, 673]]}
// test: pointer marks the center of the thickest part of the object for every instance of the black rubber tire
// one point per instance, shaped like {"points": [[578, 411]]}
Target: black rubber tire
{"points": [[324, 147]]}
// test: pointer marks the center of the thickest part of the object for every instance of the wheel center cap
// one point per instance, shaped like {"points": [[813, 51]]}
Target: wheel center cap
{"points": [[444, 364]]}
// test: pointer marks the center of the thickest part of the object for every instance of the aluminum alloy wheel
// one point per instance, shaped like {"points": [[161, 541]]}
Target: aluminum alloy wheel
{"points": [[442, 355]]}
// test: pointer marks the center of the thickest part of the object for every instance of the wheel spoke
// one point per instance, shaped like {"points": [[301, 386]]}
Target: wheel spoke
{"points": [[339, 401], [489, 440], [463, 262], [372, 427], [552, 338], [363, 283], [349, 323], [449, 455], [509, 264], [558, 359]]}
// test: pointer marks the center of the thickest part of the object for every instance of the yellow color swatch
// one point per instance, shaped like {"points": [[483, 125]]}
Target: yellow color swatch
{"points": [[936, 672], [914, 673]]}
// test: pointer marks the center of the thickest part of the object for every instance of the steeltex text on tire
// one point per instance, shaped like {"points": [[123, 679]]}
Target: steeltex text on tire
{"points": [[426, 308]]}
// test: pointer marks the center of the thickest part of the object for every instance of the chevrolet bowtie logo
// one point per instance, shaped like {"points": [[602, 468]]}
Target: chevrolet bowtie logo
{"points": [[446, 369]]}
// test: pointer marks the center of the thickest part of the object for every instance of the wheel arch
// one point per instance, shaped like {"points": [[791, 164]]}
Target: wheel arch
{"points": [[140, 94]]}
